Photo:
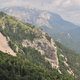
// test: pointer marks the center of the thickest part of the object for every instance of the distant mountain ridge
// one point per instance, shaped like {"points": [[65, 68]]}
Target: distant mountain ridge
{"points": [[40, 18], [50, 22], [74, 33]]}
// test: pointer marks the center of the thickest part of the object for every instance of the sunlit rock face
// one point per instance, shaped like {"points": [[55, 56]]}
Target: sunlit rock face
{"points": [[4, 47], [45, 47]]}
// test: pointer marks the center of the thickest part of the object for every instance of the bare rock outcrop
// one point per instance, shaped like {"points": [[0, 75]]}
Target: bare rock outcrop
{"points": [[4, 47], [70, 71], [46, 48]]}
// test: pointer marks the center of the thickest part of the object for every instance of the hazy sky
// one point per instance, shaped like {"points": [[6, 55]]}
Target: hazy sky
{"points": [[68, 9]]}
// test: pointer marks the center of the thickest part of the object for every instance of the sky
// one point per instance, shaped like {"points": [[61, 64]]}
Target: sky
{"points": [[68, 9]]}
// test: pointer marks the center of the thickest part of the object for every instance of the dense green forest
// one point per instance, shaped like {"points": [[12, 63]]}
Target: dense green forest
{"points": [[34, 56], [14, 68]]}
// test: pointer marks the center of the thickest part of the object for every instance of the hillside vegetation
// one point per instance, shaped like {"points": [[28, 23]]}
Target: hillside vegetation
{"points": [[29, 62], [14, 68], [73, 59], [22, 35], [17, 31]]}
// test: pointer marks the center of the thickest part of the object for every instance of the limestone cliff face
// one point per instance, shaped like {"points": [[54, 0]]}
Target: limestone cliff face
{"points": [[45, 47]]}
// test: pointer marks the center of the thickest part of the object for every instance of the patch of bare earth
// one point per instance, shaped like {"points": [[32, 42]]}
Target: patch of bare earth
{"points": [[4, 47]]}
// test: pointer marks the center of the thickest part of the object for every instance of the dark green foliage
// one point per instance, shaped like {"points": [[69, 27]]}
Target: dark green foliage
{"points": [[14, 68], [48, 37], [12, 45], [73, 59], [62, 67], [35, 57], [2, 14]]}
